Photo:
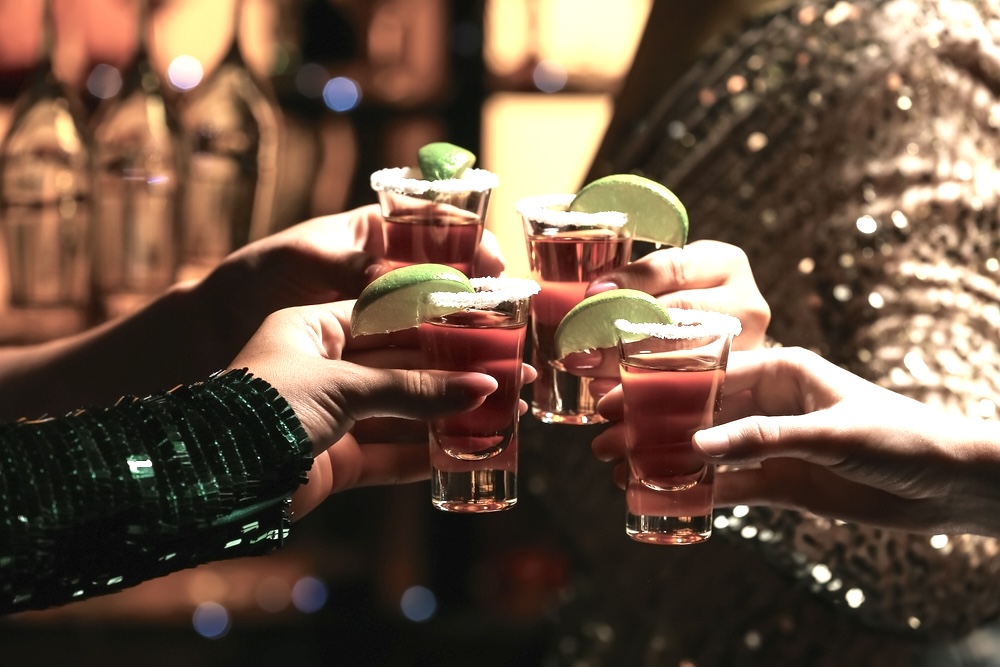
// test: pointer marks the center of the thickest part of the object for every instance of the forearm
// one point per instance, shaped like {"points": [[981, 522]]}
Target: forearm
{"points": [[104, 499], [178, 338]]}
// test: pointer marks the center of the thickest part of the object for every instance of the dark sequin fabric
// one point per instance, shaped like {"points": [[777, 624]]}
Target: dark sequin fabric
{"points": [[103, 499], [851, 148]]}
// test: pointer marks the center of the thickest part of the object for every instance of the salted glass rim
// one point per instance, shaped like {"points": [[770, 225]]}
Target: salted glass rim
{"points": [[491, 292], [550, 209], [409, 181], [686, 324]]}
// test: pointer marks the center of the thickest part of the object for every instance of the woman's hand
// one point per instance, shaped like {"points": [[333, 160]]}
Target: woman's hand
{"points": [[358, 399], [325, 259], [831, 443], [803, 433], [703, 275]]}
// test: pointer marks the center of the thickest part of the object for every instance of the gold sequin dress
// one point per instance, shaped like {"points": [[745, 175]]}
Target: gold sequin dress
{"points": [[852, 149]]}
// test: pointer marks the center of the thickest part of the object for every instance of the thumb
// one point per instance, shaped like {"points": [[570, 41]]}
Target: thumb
{"points": [[754, 439], [414, 394], [356, 392]]}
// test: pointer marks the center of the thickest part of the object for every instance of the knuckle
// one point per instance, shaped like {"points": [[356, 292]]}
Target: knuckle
{"points": [[674, 267], [416, 383]]}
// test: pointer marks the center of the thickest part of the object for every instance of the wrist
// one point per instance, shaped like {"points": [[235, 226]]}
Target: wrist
{"points": [[982, 476]]}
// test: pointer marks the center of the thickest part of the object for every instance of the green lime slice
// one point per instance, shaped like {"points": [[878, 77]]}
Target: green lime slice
{"points": [[654, 212], [392, 301], [590, 324], [440, 161]]}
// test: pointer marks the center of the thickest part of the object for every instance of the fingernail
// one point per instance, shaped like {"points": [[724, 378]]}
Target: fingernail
{"points": [[476, 384], [374, 271], [601, 286], [582, 360], [713, 441]]}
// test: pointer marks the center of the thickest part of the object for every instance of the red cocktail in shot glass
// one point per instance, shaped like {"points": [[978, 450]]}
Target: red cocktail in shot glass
{"points": [[474, 454], [566, 250], [672, 377], [437, 222]]}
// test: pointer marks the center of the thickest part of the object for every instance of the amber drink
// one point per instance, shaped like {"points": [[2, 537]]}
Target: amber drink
{"points": [[474, 454], [672, 377], [566, 251], [438, 222]]}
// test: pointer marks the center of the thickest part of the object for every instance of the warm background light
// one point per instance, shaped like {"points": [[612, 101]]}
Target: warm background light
{"points": [[539, 142], [590, 38]]}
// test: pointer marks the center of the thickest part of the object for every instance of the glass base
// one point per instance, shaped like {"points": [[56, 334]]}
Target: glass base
{"points": [[473, 491], [668, 529], [573, 419]]}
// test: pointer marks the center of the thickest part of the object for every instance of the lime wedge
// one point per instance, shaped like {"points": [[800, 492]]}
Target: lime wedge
{"points": [[654, 212], [590, 324], [440, 161], [392, 301]]}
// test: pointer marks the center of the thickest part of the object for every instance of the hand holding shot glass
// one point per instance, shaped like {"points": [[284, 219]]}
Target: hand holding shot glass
{"points": [[474, 454], [434, 213], [571, 241], [464, 325], [672, 365], [566, 250], [672, 378]]}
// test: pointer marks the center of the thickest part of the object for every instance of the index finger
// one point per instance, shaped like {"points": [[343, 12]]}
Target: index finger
{"points": [[698, 265]]}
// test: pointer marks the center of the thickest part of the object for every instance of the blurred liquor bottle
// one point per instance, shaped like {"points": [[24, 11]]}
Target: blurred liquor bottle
{"points": [[45, 190], [139, 165], [231, 125]]}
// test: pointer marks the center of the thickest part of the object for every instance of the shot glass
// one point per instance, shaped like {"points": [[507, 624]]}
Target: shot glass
{"points": [[474, 454], [432, 221], [566, 250], [672, 377]]}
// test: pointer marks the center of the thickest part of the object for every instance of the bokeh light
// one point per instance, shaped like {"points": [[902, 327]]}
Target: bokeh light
{"points": [[309, 595], [341, 94], [185, 72], [104, 81], [549, 76], [418, 603], [211, 620]]}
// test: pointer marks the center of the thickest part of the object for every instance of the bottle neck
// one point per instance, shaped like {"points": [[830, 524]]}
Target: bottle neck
{"points": [[44, 74], [233, 55], [141, 73], [46, 46]]}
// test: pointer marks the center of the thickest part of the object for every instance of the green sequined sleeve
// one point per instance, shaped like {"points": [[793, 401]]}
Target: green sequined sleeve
{"points": [[102, 499]]}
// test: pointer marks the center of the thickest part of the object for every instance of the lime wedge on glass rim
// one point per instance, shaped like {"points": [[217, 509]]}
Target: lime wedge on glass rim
{"points": [[654, 212], [441, 161], [589, 325], [392, 301]]}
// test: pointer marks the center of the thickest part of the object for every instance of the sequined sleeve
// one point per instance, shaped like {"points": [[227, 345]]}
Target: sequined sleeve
{"points": [[851, 148], [102, 499]]}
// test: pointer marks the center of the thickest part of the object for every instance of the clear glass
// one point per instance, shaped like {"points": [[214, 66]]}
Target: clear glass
{"points": [[566, 250], [231, 125], [474, 454], [45, 191], [139, 167], [433, 221], [672, 379]]}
